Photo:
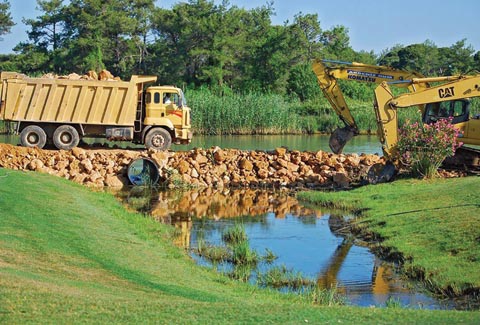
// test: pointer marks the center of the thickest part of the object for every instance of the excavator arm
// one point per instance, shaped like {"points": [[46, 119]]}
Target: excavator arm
{"points": [[452, 88], [328, 73]]}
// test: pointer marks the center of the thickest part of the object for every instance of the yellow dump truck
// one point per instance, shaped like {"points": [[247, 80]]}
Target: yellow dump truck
{"points": [[63, 111]]}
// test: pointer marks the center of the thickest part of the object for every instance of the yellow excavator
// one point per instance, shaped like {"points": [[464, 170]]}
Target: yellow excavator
{"points": [[328, 73], [448, 99]]}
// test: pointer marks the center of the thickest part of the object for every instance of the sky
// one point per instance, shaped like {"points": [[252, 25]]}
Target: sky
{"points": [[374, 25]]}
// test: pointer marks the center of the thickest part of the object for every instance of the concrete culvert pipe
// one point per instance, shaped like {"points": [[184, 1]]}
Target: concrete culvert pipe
{"points": [[143, 172]]}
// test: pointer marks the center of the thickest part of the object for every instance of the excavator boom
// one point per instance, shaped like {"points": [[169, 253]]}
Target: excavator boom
{"points": [[328, 73]]}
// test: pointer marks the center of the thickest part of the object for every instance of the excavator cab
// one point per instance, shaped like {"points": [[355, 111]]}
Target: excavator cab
{"points": [[458, 110]]}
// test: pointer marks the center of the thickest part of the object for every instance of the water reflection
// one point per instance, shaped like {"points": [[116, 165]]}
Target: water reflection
{"points": [[304, 239], [214, 203], [328, 276], [382, 284]]}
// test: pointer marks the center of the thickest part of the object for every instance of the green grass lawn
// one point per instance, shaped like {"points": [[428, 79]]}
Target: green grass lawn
{"points": [[71, 255], [434, 225]]}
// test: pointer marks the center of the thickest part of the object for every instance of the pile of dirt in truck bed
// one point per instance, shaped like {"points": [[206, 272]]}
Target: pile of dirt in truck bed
{"points": [[214, 167]]}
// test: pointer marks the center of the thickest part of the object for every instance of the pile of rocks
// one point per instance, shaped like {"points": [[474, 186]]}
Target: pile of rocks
{"points": [[103, 75], [278, 168], [214, 167]]}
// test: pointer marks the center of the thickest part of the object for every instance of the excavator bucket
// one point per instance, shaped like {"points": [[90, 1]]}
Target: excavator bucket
{"points": [[339, 138], [380, 173]]}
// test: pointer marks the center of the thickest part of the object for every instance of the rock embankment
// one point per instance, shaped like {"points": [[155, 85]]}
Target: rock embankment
{"points": [[214, 167]]}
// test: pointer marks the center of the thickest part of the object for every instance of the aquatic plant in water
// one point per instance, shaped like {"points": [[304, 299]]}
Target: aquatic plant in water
{"points": [[324, 297], [215, 254], [393, 303], [234, 235], [244, 261], [282, 277]]}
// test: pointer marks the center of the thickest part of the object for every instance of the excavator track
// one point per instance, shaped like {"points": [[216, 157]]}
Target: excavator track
{"points": [[465, 159]]}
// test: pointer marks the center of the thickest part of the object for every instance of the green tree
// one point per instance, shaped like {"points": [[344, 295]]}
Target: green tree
{"points": [[476, 62], [270, 63], [86, 22], [456, 59], [420, 57], [261, 38], [118, 27], [184, 39], [46, 31], [389, 57], [6, 21], [198, 42], [306, 36], [365, 57], [142, 13], [430, 60], [337, 44], [45, 37]]}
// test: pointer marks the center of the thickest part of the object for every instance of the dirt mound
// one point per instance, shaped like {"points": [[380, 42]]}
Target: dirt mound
{"points": [[214, 167]]}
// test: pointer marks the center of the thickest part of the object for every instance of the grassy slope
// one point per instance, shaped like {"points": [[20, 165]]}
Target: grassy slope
{"points": [[71, 255], [434, 224]]}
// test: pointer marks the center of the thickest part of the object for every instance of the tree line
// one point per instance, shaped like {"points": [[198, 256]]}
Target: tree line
{"points": [[232, 62], [199, 43]]}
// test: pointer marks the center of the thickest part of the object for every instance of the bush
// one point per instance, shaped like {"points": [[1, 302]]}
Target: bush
{"points": [[423, 147], [303, 83], [357, 90]]}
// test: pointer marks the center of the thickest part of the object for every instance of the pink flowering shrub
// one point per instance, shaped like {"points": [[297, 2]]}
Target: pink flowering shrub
{"points": [[423, 147]]}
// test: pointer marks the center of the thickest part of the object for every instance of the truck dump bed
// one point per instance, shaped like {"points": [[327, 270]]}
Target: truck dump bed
{"points": [[70, 101]]}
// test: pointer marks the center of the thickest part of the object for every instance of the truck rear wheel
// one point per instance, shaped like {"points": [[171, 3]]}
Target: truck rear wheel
{"points": [[33, 136], [65, 137], [158, 138]]}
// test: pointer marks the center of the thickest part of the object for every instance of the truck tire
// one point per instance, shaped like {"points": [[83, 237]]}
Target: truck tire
{"points": [[65, 137], [33, 136], [158, 139]]}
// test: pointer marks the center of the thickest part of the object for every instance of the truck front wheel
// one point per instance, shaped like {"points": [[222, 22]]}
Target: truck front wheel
{"points": [[33, 136], [158, 138], [65, 137]]}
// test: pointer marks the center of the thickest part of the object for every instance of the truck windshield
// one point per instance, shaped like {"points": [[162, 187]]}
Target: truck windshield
{"points": [[183, 100]]}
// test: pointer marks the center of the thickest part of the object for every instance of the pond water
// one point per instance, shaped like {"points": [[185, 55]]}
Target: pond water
{"points": [[304, 239], [10, 139], [359, 144]]}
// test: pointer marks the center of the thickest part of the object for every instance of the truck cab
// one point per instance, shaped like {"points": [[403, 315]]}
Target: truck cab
{"points": [[166, 107]]}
